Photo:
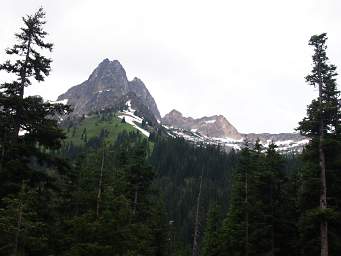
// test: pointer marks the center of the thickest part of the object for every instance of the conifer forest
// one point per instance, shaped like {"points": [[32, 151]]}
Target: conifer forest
{"points": [[107, 176]]}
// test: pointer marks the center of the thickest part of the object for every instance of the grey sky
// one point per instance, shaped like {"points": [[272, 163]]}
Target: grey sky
{"points": [[243, 59]]}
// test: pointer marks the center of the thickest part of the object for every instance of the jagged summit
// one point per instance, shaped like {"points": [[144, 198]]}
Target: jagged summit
{"points": [[211, 126], [218, 130], [106, 85], [174, 113], [109, 87]]}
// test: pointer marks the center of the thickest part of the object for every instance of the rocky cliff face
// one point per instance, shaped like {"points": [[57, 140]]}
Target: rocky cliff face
{"points": [[108, 87], [217, 130], [104, 88], [137, 86], [215, 126]]}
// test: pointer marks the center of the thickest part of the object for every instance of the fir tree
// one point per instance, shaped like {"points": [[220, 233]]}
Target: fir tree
{"points": [[29, 132], [29, 64], [31, 115], [322, 125], [236, 226], [211, 241]]}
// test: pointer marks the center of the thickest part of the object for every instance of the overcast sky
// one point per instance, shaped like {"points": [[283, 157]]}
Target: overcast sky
{"points": [[244, 59]]}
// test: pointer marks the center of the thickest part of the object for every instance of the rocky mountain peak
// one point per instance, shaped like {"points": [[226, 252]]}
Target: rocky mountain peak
{"points": [[109, 75], [107, 67], [211, 126], [138, 87], [137, 80], [175, 113], [220, 119], [104, 88], [176, 119]]}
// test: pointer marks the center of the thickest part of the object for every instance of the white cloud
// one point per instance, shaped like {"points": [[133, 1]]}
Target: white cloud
{"points": [[243, 59]]}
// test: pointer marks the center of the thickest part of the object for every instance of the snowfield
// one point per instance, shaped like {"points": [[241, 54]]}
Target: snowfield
{"points": [[132, 119], [210, 121], [64, 102], [229, 143]]}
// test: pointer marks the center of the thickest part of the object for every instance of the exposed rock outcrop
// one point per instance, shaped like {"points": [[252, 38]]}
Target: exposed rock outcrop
{"points": [[104, 88], [213, 126]]}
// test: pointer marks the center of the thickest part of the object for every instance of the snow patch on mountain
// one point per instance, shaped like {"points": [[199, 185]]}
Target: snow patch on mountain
{"points": [[196, 137], [64, 102], [210, 121], [132, 119]]}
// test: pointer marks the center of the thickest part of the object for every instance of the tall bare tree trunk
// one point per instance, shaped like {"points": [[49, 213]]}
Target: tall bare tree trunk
{"points": [[2, 155], [246, 214], [135, 199], [100, 186], [322, 160], [323, 193], [23, 76], [272, 253], [323, 201], [19, 220], [195, 250]]}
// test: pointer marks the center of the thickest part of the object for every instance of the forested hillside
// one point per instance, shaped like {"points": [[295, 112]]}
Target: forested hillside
{"points": [[96, 184]]}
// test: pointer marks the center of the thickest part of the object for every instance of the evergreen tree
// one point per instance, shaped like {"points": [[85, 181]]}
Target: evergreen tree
{"points": [[256, 222], [30, 64], [323, 126], [29, 132], [27, 124], [236, 226], [211, 241], [114, 209]]}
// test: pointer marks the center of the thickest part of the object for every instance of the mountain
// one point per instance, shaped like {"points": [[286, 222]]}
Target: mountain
{"points": [[108, 88], [273, 137], [135, 106], [215, 126], [105, 88], [218, 130]]}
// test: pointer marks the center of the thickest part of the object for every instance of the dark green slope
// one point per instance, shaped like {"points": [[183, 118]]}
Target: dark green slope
{"points": [[81, 131]]}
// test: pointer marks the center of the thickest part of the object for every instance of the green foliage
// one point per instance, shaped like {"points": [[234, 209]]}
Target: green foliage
{"points": [[178, 165], [211, 241], [102, 188], [94, 126], [261, 217], [131, 220], [323, 125], [29, 133]]}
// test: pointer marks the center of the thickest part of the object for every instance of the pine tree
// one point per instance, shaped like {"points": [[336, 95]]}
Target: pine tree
{"points": [[236, 226], [211, 241], [255, 222], [322, 125], [272, 181], [27, 124], [196, 233], [29, 133], [30, 64]]}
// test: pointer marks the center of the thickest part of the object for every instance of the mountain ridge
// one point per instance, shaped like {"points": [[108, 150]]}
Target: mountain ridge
{"points": [[211, 126], [108, 88], [106, 85]]}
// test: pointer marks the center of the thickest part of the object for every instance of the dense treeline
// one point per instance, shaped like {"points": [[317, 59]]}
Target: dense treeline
{"points": [[263, 182], [180, 165], [129, 195], [113, 207], [98, 202], [104, 204], [272, 212], [262, 214]]}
